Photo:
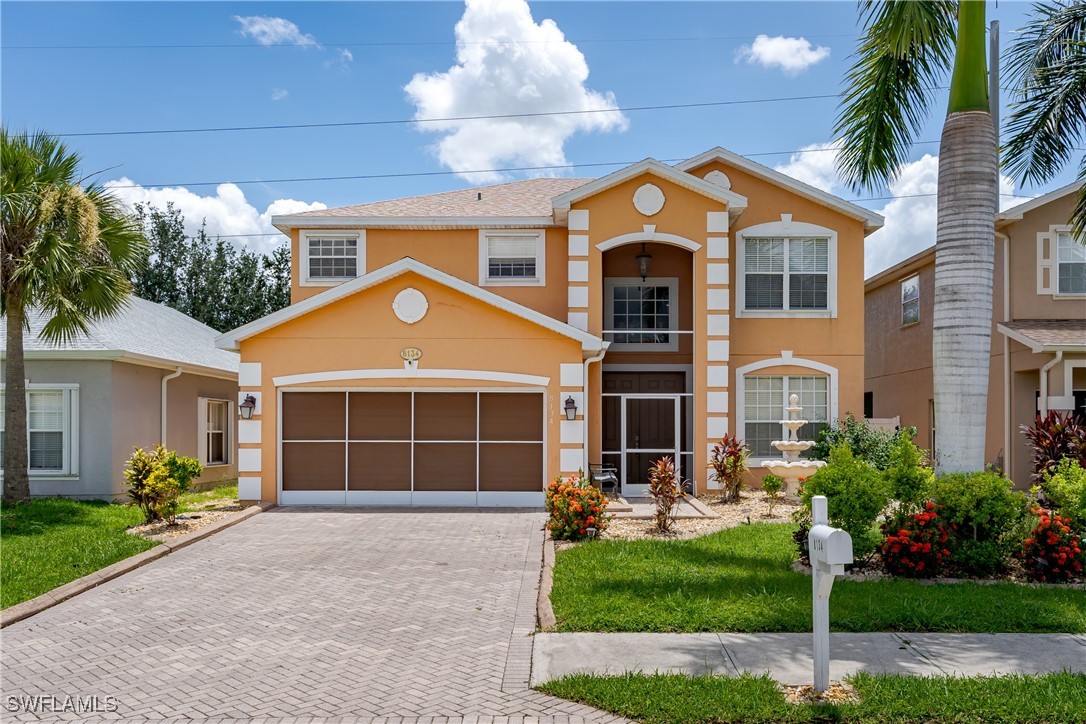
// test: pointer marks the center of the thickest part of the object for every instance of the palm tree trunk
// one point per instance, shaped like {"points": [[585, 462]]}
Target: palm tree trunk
{"points": [[964, 256], [16, 480]]}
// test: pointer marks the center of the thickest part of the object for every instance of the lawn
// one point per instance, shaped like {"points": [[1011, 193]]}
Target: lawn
{"points": [[678, 699], [52, 541], [740, 580]]}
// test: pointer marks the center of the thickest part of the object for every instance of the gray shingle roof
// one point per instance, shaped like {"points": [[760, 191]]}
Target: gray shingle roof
{"points": [[1064, 332], [143, 328]]}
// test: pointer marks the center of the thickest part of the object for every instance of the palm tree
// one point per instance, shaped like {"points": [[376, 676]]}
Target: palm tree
{"points": [[906, 51], [1047, 63], [66, 249]]}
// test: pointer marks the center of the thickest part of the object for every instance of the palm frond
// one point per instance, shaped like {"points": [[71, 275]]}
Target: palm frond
{"points": [[1047, 65], [905, 52]]}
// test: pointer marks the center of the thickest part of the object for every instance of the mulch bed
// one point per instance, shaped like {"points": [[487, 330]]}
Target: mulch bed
{"points": [[188, 522]]}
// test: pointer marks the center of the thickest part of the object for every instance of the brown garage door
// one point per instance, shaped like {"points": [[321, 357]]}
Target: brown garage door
{"points": [[361, 447]]}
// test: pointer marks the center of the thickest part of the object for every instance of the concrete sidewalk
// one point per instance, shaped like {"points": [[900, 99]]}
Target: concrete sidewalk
{"points": [[788, 659]]}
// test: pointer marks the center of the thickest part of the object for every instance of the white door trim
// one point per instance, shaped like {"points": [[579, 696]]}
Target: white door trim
{"points": [[641, 490]]}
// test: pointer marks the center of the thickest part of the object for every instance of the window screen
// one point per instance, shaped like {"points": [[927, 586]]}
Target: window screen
{"points": [[511, 257], [332, 257]]}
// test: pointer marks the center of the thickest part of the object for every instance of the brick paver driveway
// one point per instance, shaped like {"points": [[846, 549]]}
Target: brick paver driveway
{"points": [[308, 613]]}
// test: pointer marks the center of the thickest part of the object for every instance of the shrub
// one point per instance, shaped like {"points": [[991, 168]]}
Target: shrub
{"points": [[665, 491], [908, 476], [1054, 437], [772, 485], [1065, 487], [856, 494], [915, 544], [984, 513], [157, 479], [729, 464], [801, 517], [867, 442], [576, 508], [1053, 553]]}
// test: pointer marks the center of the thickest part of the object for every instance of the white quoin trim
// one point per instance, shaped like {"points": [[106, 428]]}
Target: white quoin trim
{"points": [[412, 374], [647, 236]]}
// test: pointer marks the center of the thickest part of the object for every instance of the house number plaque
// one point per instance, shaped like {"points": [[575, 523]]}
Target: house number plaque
{"points": [[411, 354]]}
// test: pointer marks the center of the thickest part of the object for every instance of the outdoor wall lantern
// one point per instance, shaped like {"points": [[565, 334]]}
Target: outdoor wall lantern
{"points": [[644, 259], [570, 408], [246, 407]]}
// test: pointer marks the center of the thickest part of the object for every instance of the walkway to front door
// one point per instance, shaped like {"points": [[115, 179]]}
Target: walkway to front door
{"points": [[307, 612]]}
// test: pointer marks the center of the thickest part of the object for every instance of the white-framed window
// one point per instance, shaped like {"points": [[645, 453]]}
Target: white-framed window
{"points": [[786, 269], [1070, 265], [216, 426], [650, 308], [52, 422], [765, 398], [512, 258], [910, 300], [331, 257]]}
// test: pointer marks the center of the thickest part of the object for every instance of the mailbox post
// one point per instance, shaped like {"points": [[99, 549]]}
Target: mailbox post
{"points": [[829, 549]]}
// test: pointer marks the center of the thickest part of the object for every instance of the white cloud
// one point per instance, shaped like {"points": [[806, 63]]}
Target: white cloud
{"points": [[343, 59], [540, 72], [791, 55], [227, 212], [815, 164], [279, 94], [274, 31]]}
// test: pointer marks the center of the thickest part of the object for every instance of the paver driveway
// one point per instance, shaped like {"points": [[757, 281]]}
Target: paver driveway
{"points": [[308, 613]]}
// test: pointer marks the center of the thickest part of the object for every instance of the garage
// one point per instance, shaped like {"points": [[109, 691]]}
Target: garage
{"points": [[412, 447]]}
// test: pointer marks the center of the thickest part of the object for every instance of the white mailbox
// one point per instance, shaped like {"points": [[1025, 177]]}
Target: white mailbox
{"points": [[831, 546], [830, 550]]}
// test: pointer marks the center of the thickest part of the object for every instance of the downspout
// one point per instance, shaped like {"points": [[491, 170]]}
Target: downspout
{"points": [[1006, 350], [162, 408], [1044, 381], [584, 401]]}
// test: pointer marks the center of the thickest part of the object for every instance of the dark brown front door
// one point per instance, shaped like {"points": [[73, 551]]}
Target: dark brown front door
{"points": [[645, 400]]}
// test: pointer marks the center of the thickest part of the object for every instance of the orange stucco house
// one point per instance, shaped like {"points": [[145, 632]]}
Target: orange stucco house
{"points": [[463, 348]]}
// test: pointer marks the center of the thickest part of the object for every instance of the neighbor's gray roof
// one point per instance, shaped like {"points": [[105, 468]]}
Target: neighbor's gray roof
{"points": [[142, 329]]}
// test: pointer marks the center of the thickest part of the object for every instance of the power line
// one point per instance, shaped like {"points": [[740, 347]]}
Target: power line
{"points": [[406, 121]]}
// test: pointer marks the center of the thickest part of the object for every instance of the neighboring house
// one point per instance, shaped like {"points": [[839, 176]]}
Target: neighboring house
{"points": [[148, 374], [467, 347], [1038, 360]]}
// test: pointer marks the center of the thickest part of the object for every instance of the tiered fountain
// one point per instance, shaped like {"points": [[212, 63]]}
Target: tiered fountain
{"points": [[791, 469]]}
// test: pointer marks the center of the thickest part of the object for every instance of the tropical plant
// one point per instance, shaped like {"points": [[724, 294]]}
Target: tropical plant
{"points": [[1054, 437], [68, 250], [915, 544], [577, 509], [856, 494], [729, 463], [868, 442], [666, 491], [1053, 552], [1046, 64], [772, 485], [985, 513], [157, 479], [1065, 487], [907, 49]]}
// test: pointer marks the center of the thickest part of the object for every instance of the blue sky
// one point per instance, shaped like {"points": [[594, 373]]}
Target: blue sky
{"points": [[291, 63]]}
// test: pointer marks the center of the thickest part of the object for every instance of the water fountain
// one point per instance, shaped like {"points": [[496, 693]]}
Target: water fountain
{"points": [[791, 468]]}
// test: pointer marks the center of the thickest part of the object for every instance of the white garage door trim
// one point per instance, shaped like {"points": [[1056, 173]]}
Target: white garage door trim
{"points": [[478, 498]]}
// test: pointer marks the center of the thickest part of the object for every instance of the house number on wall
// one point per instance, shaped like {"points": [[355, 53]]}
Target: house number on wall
{"points": [[411, 354]]}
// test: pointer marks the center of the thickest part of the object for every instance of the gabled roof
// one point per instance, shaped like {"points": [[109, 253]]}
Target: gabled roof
{"points": [[736, 203], [1047, 335], [1015, 213], [903, 267], [143, 333], [872, 221], [522, 203], [231, 339]]}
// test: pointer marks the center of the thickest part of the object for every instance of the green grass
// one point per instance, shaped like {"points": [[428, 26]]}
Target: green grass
{"points": [[740, 580], [678, 699], [52, 541], [197, 499]]}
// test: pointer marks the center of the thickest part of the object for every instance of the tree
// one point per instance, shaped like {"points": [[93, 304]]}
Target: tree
{"points": [[163, 274], [1047, 65], [277, 269], [907, 49], [68, 250]]}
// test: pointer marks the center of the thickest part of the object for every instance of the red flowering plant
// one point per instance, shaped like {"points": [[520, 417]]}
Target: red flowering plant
{"points": [[915, 545], [577, 509], [1053, 553]]}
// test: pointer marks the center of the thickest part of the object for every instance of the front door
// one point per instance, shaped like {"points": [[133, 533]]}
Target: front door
{"points": [[650, 426]]}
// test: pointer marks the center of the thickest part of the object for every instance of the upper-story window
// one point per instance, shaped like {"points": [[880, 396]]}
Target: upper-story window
{"points": [[647, 308], [331, 257], [512, 258], [910, 300], [1071, 265], [786, 269]]}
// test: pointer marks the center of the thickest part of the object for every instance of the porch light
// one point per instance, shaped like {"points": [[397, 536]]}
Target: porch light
{"points": [[643, 261], [570, 408], [246, 407]]}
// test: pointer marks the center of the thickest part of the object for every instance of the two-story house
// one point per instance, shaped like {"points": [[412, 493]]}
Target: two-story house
{"points": [[1038, 360], [466, 347]]}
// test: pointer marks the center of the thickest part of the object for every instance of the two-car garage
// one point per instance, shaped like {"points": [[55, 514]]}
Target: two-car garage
{"points": [[412, 447]]}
